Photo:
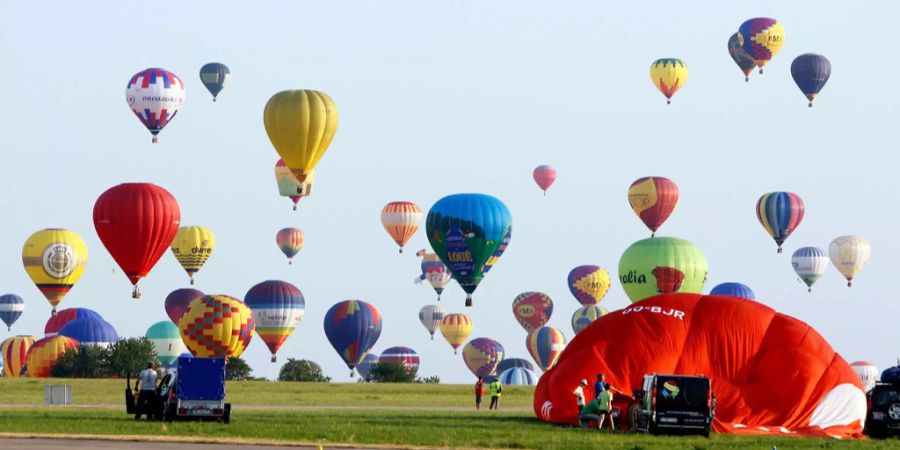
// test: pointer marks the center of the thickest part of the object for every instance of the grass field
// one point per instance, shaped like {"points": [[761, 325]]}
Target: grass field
{"points": [[431, 428]]}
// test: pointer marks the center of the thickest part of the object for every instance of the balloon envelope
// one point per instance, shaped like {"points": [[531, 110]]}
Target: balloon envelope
{"points": [[192, 246], [517, 376], [810, 264], [155, 96], [743, 60], [662, 265], [431, 317], [14, 351], [734, 290], [849, 254], [216, 326], [54, 260], [166, 341], [586, 315], [301, 125], [352, 327], [277, 307], [401, 220], [64, 316], [11, 308], [810, 72], [780, 213], [544, 176], [90, 331], [214, 76], [668, 75], [653, 199], [433, 270], [867, 373], [401, 355], [178, 302], [761, 38], [482, 356], [532, 309], [545, 345], [509, 363], [456, 328], [43, 354], [290, 241], [589, 284], [365, 366]]}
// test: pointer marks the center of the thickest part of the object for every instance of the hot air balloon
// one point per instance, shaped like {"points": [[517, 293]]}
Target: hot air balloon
{"points": [[178, 302], [43, 354], [517, 376], [352, 327], [532, 309], [748, 351], [214, 76], [867, 373], [809, 263], [289, 186], [155, 95], [589, 284], [431, 317], [401, 220], [743, 60], [668, 74], [11, 308], [585, 316], [456, 328], [469, 232], [810, 72], [15, 352], [482, 355], [290, 241], [192, 246], [433, 270], [544, 176], [734, 290], [401, 355], [780, 213], [54, 260], [545, 345], [509, 363], [761, 38], [167, 341], [849, 254], [662, 265], [365, 367], [136, 223], [64, 316], [90, 331], [217, 326], [301, 125], [277, 307], [653, 199]]}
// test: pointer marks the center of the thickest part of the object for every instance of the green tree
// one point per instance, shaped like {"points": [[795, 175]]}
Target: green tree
{"points": [[236, 369], [302, 370], [85, 362], [434, 379], [130, 356], [391, 372]]}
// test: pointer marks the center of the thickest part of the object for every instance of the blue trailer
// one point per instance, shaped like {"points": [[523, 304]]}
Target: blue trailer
{"points": [[196, 391]]}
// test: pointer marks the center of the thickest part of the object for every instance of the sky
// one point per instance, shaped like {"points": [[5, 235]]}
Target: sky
{"points": [[437, 98]]}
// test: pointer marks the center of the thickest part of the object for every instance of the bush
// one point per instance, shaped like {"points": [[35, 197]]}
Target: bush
{"points": [[84, 362], [236, 369], [302, 370], [130, 356], [434, 379], [391, 372]]}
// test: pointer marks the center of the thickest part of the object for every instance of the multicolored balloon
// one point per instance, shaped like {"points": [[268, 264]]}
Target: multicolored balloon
{"points": [[668, 75], [43, 354], [517, 376], [214, 76], [401, 355], [90, 331], [810, 72], [733, 289], [290, 241], [589, 284], [15, 352], [431, 317], [743, 60], [662, 265], [64, 316], [166, 341], [456, 328], [867, 372], [11, 308], [178, 302], [810, 264], [532, 309], [192, 246], [482, 356], [365, 367], [545, 345], [301, 125], [544, 176], [54, 260], [289, 186], [469, 232], [780, 213], [401, 220], [509, 363], [217, 326], [585, 316], [155, 95], [433, 270], [653, 199], [761, 38], [277, 307], [352, 327], [849, 254], [136, 223]]}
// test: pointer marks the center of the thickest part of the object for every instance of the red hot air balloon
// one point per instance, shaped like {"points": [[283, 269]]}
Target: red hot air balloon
{"points": [[653, 199], [136, 223], [544, 176]]}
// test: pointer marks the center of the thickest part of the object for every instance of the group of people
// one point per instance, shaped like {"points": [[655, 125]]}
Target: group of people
{"points": [[496, 390], [599, 408]]}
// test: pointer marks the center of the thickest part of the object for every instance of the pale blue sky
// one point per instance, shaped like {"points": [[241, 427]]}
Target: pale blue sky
{"points": [[443, 97]]}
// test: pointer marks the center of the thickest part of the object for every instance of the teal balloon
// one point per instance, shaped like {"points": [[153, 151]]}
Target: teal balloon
{"points": [[167, 341]]}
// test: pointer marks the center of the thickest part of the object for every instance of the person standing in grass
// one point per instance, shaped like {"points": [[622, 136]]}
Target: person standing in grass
{"points": [[147, 380], [496, 389], [599, 385], [579, 394], [605, 402], [479, 392]]}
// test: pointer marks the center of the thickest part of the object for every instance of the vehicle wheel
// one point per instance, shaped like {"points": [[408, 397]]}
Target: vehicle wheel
{"points": [[226, 418]]}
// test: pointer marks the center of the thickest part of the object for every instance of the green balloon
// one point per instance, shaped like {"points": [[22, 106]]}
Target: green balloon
{"points": [[661, 265]]}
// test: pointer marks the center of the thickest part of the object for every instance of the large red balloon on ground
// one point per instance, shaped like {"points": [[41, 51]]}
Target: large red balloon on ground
{"points": [[136, 223], [771, 373]]}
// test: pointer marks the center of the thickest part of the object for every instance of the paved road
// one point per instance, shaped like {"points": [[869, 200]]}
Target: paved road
{"points": [[90, 444], [284, 407]]}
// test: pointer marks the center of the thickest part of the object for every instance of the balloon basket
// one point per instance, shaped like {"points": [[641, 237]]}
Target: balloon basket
{"points": [[136, 294], [192, 281], [779, 250], [273, 358], [468, 302], [155, 140], [295, 207], [401, 250], [290, 263]]}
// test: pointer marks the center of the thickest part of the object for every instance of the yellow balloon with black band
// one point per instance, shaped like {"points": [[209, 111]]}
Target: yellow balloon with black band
{"points": [[192, 246], [54, 259]]}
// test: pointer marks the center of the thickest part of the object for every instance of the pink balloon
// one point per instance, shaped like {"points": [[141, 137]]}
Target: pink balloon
{"points": [[544, 176]]}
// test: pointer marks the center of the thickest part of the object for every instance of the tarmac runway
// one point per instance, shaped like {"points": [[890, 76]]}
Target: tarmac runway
{"points": [[91, 444]]}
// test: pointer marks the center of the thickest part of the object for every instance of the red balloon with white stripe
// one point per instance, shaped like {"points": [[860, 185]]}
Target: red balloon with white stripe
{"points": [[401, 355]]}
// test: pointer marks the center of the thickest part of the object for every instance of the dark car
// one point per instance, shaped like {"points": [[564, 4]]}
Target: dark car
{"points": [[883, 415], [674, 404]]}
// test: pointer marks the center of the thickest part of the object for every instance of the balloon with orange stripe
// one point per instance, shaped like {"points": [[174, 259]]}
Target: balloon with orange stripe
{"points": [[43, 354], [456, 328], [290, 241], [15, 352], [401, 220]]}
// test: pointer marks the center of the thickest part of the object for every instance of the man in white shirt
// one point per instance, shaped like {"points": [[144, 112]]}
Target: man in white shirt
{"points": [[147, 380], [579, 394]]}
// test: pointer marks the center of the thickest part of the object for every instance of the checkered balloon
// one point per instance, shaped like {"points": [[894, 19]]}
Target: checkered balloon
{"points": [[217, 326]]}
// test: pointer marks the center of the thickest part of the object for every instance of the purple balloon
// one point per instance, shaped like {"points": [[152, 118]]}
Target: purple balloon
{"points": [[178, 302]]}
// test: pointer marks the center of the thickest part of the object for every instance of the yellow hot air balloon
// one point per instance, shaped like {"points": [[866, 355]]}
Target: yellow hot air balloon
{"points": [[301, 125], [43, 354], [217, 326], [15, 354], [668, 74], [192, 246], [54, 259], [456, 328]]}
